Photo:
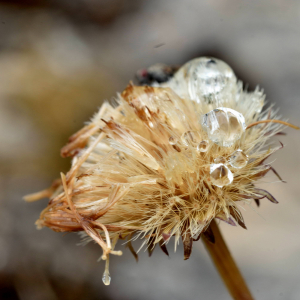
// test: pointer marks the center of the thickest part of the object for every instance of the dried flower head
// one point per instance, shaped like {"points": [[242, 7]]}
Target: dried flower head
{"points": [[165, 160]]}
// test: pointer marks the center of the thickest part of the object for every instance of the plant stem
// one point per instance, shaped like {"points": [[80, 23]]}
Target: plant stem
{"points": [[226, 266]]}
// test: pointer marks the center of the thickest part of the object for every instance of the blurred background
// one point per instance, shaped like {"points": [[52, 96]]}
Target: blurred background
{"points": [[59, 60]]}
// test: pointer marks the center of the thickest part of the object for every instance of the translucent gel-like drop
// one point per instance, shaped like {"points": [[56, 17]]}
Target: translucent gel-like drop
{"points": [[172, 140], [106, 278], [238, 159], [203, 79], [203, 146], [191, 138], [220, 160], [224, 126], [220, 175]]}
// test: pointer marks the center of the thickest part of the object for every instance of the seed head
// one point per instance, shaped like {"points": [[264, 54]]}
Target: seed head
{"points": [[165, 161]]}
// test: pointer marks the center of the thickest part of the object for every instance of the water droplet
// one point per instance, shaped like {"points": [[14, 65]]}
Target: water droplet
{"points": [[203, 79], [238, 159], [220, 160], [172, 140], [203, 146], [191, 138], [220, 175], [209, 77], [224, 126], [106, 278]]}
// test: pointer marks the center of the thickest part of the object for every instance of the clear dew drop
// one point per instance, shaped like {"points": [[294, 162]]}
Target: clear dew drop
{"points": [[209, 77], [220, 160], [203, 146], [238, 159], [106, 278], [204, 79], [173, 140], [220, 175], [191, 138], [224, 126]]}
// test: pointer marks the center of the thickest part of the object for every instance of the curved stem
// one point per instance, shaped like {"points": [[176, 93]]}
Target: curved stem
{"points": [[272, 121], [226, 266]]}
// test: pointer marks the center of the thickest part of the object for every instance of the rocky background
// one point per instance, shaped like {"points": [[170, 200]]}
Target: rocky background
{"points": [[59, 60]]}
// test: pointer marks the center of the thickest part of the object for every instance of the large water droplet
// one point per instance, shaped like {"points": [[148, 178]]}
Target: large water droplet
{"points": [[209, 77], [238, 159], [224, 126], [204, 79], [220, 175], [106, 278], [191, 138], [203, 146]]}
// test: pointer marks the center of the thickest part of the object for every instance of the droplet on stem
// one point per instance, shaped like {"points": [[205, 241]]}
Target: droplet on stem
{"points": [[106, 278]]}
